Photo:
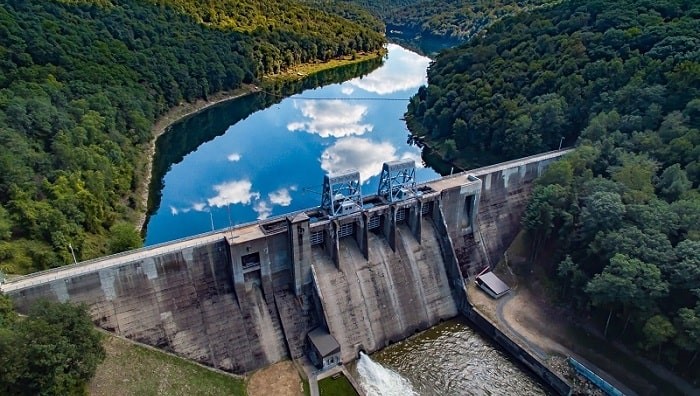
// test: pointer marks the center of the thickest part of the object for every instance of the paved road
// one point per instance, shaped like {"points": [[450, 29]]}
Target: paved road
{"points": [[499, 314]]}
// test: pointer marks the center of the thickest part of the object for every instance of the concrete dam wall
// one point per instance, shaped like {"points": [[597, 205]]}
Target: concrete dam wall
{"points": [[182, 301], [504, 193], [246, 297], [371, 303]]}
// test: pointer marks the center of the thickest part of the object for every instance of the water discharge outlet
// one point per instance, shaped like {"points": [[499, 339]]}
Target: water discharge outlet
{"points": [[377, 380]]}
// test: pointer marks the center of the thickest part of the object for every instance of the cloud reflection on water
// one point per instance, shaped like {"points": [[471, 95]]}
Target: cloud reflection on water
{"points": [[233, 192], [331, 118], [281, 197], [406, 71], [263, 209], [363, 155]]}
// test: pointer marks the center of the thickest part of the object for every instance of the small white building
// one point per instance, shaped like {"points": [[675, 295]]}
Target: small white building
{"points": [[324, 350]]}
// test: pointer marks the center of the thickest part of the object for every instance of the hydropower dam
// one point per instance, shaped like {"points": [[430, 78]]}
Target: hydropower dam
{"points": [[371, 269]]}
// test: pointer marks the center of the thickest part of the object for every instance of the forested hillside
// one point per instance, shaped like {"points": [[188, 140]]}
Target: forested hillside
{"points": [[446, 19], [381, 8], [81, 83], [619, 220], [456, 20]]}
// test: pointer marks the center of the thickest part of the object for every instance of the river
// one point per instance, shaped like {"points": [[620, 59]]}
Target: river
{"points": [[448, 359], [263, 155]]}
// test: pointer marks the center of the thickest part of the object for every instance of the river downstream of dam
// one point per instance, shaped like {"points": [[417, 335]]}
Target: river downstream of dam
{"points": [[448, 359]]}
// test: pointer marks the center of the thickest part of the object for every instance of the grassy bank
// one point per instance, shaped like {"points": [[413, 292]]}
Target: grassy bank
{"points": [[130, 369], [301, 71], [339, 386]]}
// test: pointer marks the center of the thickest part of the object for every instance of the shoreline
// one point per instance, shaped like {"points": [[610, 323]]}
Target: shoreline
{"points": [[176, 114], [186, 110]]}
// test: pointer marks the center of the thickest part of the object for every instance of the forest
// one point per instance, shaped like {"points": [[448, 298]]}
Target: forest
{"points": [[617, 222], [445, 19], [82, 82]]}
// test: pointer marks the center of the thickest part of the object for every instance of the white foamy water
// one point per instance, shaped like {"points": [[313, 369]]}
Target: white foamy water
{"points": [[377, 380], [452, 359]]}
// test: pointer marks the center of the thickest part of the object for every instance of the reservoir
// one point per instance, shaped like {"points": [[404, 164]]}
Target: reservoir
{"points": [[273, 161], [266, 154]]}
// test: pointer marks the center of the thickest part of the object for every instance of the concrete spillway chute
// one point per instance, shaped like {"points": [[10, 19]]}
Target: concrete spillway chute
{"points": [[342, 193], [398, 180]]}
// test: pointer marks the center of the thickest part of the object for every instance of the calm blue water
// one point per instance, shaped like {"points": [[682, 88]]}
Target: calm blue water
{"points": [[273, 162]]}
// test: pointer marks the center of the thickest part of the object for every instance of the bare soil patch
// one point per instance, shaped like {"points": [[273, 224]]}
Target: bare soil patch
{"points": [[279, 379]]}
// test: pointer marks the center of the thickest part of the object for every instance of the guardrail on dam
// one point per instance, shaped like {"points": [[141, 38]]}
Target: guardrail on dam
{"points": [[372, 270]]}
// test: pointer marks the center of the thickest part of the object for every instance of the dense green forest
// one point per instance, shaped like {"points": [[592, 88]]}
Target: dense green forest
{"points": [[54, 350], [81, 83], [619, 220], [445, 19]]}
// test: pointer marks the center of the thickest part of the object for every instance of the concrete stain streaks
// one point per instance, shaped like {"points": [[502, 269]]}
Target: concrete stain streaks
{"points": [[241, 299]]}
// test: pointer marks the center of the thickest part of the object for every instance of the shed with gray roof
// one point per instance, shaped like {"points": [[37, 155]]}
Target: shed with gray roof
{"points": [[324, 350]]}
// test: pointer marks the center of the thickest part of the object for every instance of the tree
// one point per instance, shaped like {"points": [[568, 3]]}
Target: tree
{"points": [[657, 330], [650, 246], [626, 283], [123, 237], [55, 350], [6, 312], [603, 212], [688, 323], [545, 212], [572, 277], [560, 172], [450, 149], [673, 183], [688, 212], [685, 273], [635, 174], [5, 225]]}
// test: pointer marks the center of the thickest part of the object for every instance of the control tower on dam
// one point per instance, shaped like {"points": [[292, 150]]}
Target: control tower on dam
{"points": [[360, 271]]}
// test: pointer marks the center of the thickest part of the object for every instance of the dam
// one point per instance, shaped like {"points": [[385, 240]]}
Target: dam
{"points": [[371, 270]]}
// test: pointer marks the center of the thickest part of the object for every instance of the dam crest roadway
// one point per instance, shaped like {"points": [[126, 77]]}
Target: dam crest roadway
{"points": [[370, 270]]}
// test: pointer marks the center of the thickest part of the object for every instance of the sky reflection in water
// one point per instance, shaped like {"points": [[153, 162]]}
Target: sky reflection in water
{"points": [[273, 162]]}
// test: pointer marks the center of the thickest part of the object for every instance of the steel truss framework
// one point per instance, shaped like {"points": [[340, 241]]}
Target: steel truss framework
{"points": [[342, 193], [398, 180]]}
